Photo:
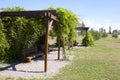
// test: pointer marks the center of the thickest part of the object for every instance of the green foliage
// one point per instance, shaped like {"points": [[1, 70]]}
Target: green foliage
{"points": [[99, 34], [3, 41], [100, 62], [17, 8], [103, 33], [95, 34], [82, 31], [52, 33], [115, 35], [68, 21], [18, 33], [88, 40], [21, 33]]}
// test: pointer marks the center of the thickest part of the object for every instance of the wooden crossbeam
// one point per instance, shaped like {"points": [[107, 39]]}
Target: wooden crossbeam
{"points": [[82, 28], [31, 14]]}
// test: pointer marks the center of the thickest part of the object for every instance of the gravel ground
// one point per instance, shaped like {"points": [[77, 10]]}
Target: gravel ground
{"points": [[35, 69], [118, 36]]}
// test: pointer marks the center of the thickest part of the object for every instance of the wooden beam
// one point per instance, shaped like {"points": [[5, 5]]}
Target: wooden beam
{"points": [[58, 25], [30, 14], [46, 46], [48, 25], [82, 28]]}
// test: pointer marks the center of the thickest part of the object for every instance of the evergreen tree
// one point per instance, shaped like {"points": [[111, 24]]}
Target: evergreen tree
{"points": [[82, 24], [110, 30]]}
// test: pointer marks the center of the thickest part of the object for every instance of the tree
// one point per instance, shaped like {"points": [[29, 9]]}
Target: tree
{"points": [[103, 33], [118, 31], [82, 24], [82, 31], [115, 31], [110, 30]]}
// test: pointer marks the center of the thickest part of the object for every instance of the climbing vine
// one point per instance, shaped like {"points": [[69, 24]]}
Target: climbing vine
{"points": [[18, 32], [68, 21], [3, 41], [21, 33]]}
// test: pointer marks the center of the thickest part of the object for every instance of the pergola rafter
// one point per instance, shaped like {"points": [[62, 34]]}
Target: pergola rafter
{"points": [[82, 28], [50, 15], [31, 14]]}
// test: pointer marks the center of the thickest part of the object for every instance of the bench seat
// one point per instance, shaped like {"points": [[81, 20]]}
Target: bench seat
{"points": [[31, 53]]}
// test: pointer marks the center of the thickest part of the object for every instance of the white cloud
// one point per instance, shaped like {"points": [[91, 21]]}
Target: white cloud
{"points": [[108, 21], [91, 24], [105, 25]]}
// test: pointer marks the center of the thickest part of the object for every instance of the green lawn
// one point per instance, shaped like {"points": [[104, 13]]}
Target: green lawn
{"points": [[101, 62]]}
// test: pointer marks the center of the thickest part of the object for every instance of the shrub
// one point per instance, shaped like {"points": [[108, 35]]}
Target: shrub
{"points": [[3, 42], [88, 40], [104, 35], [95, 34], [115, 35]]}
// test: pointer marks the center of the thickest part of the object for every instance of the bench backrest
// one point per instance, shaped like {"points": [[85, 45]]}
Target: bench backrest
{"points": [[28, 50]]}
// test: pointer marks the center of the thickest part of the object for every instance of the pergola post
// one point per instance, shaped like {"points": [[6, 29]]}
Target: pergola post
{"points": [[58, 25], [86, 30], [48, 24]]}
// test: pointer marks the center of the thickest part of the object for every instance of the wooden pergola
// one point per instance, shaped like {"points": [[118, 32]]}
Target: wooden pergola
{"points": [[82, 28], [50, 16]]}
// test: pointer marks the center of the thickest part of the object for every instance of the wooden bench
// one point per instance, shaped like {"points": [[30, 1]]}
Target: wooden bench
{"points": [[31, 53]]}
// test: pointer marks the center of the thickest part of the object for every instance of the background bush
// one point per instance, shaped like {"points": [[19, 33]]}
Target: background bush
{"points": [[115, 35], [88, 40], [98, 34]]}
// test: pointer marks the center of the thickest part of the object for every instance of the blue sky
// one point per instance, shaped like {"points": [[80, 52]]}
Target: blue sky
{"points": [[94, 13]]}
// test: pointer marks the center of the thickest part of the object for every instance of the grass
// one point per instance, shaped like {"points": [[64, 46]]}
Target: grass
{"points": [[101, 62]]}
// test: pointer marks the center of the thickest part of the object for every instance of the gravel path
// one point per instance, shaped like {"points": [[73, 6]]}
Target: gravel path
{"points": [[35, 69]]}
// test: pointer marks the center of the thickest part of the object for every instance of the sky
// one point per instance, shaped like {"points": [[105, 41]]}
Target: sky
{"points": [[94, 13]]}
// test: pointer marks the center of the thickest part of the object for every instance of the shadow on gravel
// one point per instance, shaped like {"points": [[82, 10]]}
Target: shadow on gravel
{"points": [[30, 71], [13, 68], [12, 65]]}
